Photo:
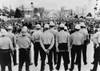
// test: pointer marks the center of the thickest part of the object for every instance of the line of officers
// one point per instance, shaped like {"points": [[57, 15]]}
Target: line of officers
{"points": [[48, 42]]}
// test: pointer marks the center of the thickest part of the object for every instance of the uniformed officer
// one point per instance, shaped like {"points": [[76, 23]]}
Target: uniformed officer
{"points": [[36, 42], [96, 39], [0, 44], [29, 36], [54, 32], [47, 43], [84, 32], [66, 29], [5, 50], [24, 44], [62, 46], [95, 45], [13, 39], [76, 42]]}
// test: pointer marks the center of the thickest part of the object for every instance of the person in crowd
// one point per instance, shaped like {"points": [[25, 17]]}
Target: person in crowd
{"points": [[29, 36], [6, 48], [62, 47], [76, 43], [95, 45], [36, 41], [24, 44], [47, 43], [85, 34], [96, 39], [13, 39], [54, 32], [66, 29]]}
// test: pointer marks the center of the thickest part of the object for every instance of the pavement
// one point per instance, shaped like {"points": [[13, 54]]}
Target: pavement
{"points": [[90, 52]]}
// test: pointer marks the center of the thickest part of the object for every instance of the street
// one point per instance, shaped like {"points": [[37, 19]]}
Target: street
{"points": [[87, 67]]}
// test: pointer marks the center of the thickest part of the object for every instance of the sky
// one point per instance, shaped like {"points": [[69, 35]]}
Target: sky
{"points": [[48, 4]]}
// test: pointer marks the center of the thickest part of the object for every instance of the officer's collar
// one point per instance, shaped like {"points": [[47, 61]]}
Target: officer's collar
{"points": [[61, 30]]}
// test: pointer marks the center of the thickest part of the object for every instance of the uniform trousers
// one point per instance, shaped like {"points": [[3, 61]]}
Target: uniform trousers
{"points": [[95, 45], [84, 51], [76, 52], [43, 58], [24, 58], [14, 55], [65, 54], [96, 58], [37, 49], [54, 54], [5, 59]]}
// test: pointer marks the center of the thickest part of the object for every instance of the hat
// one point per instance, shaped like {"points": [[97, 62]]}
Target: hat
{"points": [[10, 27], [61, 25], [52, 23], [65, 27], [25, 27], [46, 26], [38, 26], [98, 29], [4, 32], [24, 31], [82, 24], [22, 20], [0, 34], [77, 26]]}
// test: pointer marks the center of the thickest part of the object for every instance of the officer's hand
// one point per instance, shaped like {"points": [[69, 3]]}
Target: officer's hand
{"points": [[45, 50], [69, 50], [57, 50], [99, 44]]}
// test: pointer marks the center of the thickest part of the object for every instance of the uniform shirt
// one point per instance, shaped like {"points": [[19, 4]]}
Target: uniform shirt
{"points": [[1, 41], [96, 38], [12, 37], [62, 37], [6, 43], [23, 41], [53, 31], [84, 32], [36, 36], [47, 37], [27, 34], [76, 38]]}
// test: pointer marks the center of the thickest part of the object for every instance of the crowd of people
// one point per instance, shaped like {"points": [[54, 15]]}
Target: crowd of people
{"points": [[50, 39]]}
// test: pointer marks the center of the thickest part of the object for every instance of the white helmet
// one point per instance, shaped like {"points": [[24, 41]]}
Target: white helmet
{"points": [[10, 27], [77, 26], [46, 26]]}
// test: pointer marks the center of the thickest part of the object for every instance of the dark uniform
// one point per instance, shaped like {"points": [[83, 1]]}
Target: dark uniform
{"points": [[96, 40], [36, 42], [24, 44], [13, 39], [6, 48], [54, 32], [76, 41], [47, 42], [62, 48], [84, 32]]}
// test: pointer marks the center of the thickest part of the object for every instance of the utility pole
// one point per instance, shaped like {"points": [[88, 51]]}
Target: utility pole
{"points": [[32, 6]]}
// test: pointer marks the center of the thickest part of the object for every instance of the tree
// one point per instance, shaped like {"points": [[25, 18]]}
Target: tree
{"points": [[18, 13], [5, 11], [41, 11], [89, 15], [11, 13], [35, 10]]}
